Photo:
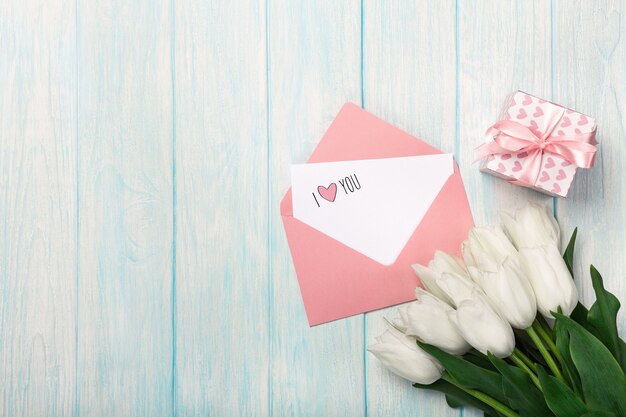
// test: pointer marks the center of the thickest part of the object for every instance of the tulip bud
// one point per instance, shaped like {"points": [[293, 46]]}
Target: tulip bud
{"points": [[509, 292], [428, 320], [401, 355], [486, 249], [551, 281], [444, 267], [535, 233], [482, 327], [532, 226], [456, 287]]}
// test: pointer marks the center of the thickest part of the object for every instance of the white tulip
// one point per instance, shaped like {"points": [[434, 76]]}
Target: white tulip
{"points": [[398, 322], [486, 249], [428, 320], [493, 263], [457, 287], [401, 355], [551, 281], [532, 226], [509, 291], [482, 327], [535, 233], [444, 271]]}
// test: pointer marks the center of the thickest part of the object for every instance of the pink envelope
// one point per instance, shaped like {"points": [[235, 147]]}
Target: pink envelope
{"points": [[335, 280]]}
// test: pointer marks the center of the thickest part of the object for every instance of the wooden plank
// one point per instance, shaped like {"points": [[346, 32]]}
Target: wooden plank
{"points": [[590, 76], [502, 47], [37, 208], [314, 68], [222, 207], [125, 198], [410, 80]]}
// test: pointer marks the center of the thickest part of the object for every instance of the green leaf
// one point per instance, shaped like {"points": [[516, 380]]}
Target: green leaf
{"points": [[455, 396], [451, 401], [479, 359], [523, 396], [599, 414], [560, 398], [602, 317], [568, 255], [569, 369], [603, 382], [579, 315], [468, 374]]}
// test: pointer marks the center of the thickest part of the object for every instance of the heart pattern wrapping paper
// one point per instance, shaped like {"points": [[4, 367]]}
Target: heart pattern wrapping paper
{"points": [[556, 174]]}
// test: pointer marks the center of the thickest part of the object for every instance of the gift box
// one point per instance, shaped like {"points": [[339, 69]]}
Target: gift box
{"points": [[538, 144]]}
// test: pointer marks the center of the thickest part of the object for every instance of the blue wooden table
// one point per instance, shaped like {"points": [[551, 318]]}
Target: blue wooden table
{"points": [[144, 148]]}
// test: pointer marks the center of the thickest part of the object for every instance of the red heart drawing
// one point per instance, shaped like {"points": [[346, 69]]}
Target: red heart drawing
{"points": [[566, 121], [577, 131], [527, 100], [517, 167], [501, 168], [583, 120], [566, 163], [561, 133], [544, 176], [513, 103], [522, 114], [569, 111], [556, 188], [328, 193], [522, 155], [550, 163], [561, 175], [538, 112], [506, 156]]}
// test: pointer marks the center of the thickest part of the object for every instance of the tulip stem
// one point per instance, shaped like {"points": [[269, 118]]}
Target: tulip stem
{"points": [[490, 401], [548, 340], [520, 362], [545, 326], [546, 355], [521, 355]]}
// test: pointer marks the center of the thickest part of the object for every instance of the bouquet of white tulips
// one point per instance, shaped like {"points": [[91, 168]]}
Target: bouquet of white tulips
{"points": [[502, 329]]}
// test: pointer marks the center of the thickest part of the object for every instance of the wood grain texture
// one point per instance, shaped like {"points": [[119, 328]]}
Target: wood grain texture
{"points": [[125, 197], [412, 84], [493, 38], [503, 46], [314, 68], [37, 208], [590, 76], [222, 207]]}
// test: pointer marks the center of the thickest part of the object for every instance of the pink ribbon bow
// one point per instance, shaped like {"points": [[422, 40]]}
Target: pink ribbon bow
{"points": [[512, 137]]}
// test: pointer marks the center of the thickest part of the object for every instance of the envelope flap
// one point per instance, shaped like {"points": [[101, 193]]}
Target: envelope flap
{"points": [[357, 134]]}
